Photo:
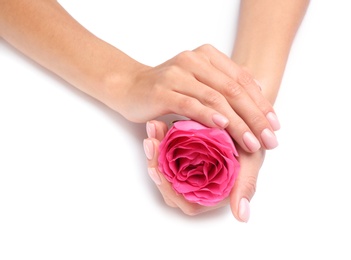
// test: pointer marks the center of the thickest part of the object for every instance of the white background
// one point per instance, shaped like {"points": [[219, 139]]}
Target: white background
{"points": [[73, 179]]}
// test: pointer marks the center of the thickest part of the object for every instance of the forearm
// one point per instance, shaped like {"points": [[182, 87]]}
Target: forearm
{"points": [[45, 32], [266, 30]]}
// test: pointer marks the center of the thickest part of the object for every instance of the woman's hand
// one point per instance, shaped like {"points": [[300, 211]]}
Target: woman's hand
{"points": [[203, 85], [242, 192]]}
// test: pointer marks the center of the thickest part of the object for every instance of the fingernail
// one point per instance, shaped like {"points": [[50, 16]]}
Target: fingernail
{"points": [[151, 130], [244, 210], [251, 142], [273, 120], [220, 120], [148, 148], [154, 176], [258, 84], [269, 139]]}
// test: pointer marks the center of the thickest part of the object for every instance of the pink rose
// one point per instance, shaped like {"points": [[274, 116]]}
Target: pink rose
{"points": [[200, 162]]}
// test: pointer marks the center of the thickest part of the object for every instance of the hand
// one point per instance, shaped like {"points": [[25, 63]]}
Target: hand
{"points": [[242, 192], [206, 86]]}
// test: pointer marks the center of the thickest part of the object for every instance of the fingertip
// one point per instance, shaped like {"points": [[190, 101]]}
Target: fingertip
{"points": [[150, 129], [251, 142], [220, 120], [148, 148], [273, 120], [154, 176], [241, 209], [258, 84], [244, 210], [269, 139], [156, 129]]}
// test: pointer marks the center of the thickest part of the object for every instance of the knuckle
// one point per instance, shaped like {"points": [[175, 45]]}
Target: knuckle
{"points": [[186, 103], [165, 77], [206, 47], [185, 57], [204, 52], [250, 184], [244, 78], [257, 120], [170, 71], [213, 98], [232, 89]]}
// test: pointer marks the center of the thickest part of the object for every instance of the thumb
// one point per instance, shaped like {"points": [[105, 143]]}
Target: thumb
{"points": [[245, 184]]}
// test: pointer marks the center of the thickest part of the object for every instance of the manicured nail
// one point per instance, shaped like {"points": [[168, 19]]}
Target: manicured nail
{"points": [[273, 120], [151, 130], [269, 139], [251, 142], [258, 84], [154, 176], [148, 148], [244, 210], [220, 120]]}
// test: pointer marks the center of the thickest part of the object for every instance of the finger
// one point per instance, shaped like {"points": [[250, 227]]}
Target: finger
{"points": [[204, 104], [156, 129], [244, 97], [256, 91], [177, 93], [241, 75], [245, 185], [248, 125], [188, 104]]}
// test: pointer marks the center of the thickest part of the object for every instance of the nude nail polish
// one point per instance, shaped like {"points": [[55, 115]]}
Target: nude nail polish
{"points": [[273, 120], [150, 130], [244, 210], [258, 84], [251, 142], [220, 120], [269, 139], [148, 149]]}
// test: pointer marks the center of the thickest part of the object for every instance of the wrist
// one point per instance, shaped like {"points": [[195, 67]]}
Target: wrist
{"points": [[117, 82], [266, 71]]}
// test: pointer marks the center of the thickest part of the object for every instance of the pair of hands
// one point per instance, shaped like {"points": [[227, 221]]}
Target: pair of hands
{"points": [[242, 192], [206, 86]]}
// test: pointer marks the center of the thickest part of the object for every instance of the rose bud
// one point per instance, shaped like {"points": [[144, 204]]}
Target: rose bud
{"points": [[200, 162]]}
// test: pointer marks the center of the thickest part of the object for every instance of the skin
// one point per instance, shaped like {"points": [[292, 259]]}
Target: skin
{"points": [[45, 32], [265, 34], [223, 93]]}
